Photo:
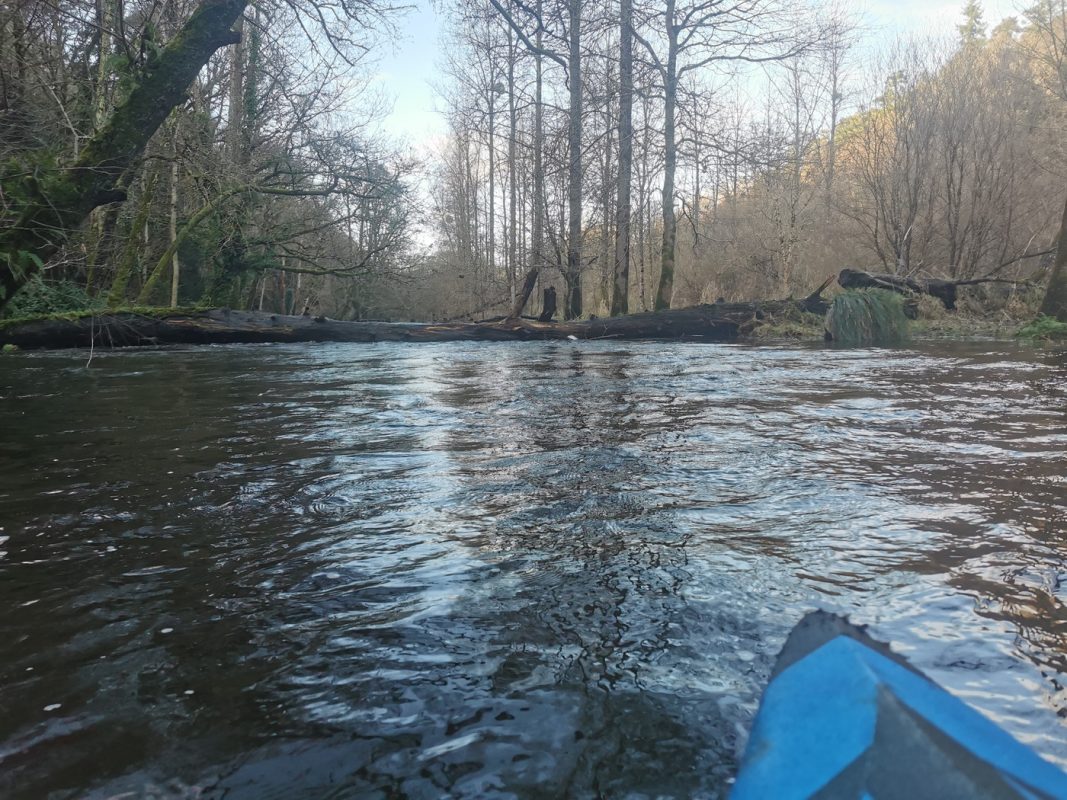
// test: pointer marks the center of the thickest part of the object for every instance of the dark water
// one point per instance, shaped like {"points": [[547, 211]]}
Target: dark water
{"points": [[531, 570]]}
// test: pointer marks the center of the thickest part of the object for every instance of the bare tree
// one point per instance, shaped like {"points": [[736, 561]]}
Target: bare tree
{"points": [[620, 298], [572, 65], [1047, 21], [891, 162], [696, 36]]}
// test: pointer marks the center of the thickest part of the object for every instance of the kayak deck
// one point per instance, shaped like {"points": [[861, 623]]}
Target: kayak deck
{"points": [[844, 717]]}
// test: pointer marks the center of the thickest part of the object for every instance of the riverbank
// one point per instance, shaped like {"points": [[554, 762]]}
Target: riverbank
{"points": [[934, 323], [762, 322]]}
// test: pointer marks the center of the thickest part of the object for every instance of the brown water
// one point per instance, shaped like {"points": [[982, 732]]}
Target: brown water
{"points": [[529, 570]]}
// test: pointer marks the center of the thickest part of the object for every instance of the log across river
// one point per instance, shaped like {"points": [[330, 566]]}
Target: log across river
{"points": [[711, 322]]}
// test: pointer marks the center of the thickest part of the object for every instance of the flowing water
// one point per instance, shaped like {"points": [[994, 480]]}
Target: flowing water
{"points": [[511, 570]]}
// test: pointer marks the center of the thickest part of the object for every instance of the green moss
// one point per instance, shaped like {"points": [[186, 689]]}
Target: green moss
{"points": [[158, 312], [1043, 328], [869, 317], [964, 327]]}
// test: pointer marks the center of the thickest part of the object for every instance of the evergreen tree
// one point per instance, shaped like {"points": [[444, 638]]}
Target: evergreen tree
{"points": [[973, 28]]}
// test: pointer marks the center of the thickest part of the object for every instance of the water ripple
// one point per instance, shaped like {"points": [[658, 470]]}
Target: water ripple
{"points": [[517, 570]]}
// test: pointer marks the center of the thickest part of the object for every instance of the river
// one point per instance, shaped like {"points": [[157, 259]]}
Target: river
{"points": [[507, 570]]}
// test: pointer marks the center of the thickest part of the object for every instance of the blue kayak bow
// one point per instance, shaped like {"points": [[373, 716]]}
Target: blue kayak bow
{"points": [[844, 717]]}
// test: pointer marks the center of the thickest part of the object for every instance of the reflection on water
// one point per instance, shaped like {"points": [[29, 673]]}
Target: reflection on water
{"points": [[527, 570]]}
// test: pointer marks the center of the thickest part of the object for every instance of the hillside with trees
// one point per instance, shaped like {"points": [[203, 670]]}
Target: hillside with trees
{"points": [[767, 148]]}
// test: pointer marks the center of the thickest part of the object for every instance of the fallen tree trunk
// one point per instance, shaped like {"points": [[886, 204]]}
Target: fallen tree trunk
{"points": [[945, 291], [717, 322], [524, 293]]}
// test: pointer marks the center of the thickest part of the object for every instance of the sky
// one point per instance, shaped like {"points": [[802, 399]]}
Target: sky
{"points": [[407, 73]]}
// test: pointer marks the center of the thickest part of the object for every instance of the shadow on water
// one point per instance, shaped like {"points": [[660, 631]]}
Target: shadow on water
{"points": [[515, 571]]}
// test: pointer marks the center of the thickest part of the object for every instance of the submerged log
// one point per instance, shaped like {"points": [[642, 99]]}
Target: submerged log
{"points": [[717, 322]]}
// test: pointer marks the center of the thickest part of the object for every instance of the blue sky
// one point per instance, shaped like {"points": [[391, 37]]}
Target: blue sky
{"points": [[406, 74]]}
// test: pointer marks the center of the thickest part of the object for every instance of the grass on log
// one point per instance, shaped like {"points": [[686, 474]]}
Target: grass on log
{"points": [[791, 324], [866, 318]]}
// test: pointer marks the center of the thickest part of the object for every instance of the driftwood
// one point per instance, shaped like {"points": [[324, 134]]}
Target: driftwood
{"points": [[945, 291], [716, 322]]}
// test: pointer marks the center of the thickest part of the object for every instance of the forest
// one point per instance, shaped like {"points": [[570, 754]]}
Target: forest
{"points": [[633, 157], [682, 413]]}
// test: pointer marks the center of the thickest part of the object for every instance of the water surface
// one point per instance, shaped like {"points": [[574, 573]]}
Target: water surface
{"points": [[508, 570]]}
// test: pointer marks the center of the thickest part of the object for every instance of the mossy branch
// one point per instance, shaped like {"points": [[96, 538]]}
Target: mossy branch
{"points": [[166, 260]]}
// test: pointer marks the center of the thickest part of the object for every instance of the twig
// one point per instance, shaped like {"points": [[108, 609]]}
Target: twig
{"points": [[92, 340], [63, 111]]}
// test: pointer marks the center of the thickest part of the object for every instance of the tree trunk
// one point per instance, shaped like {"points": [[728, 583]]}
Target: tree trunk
{"points": [[670, 163], [490, 255], [117, 295], [548, 305], [1055, 302], [105, 17], [697, 188], [102, 243], [831, 138], [718, 322], [171, 252], [644, 224], [175, 273], [235, 120], [513, 132], [620, 296], [524, 294], [98, 218], [538, 232], [572, 306], [606, 256], [945, 291], [69, 196]]}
